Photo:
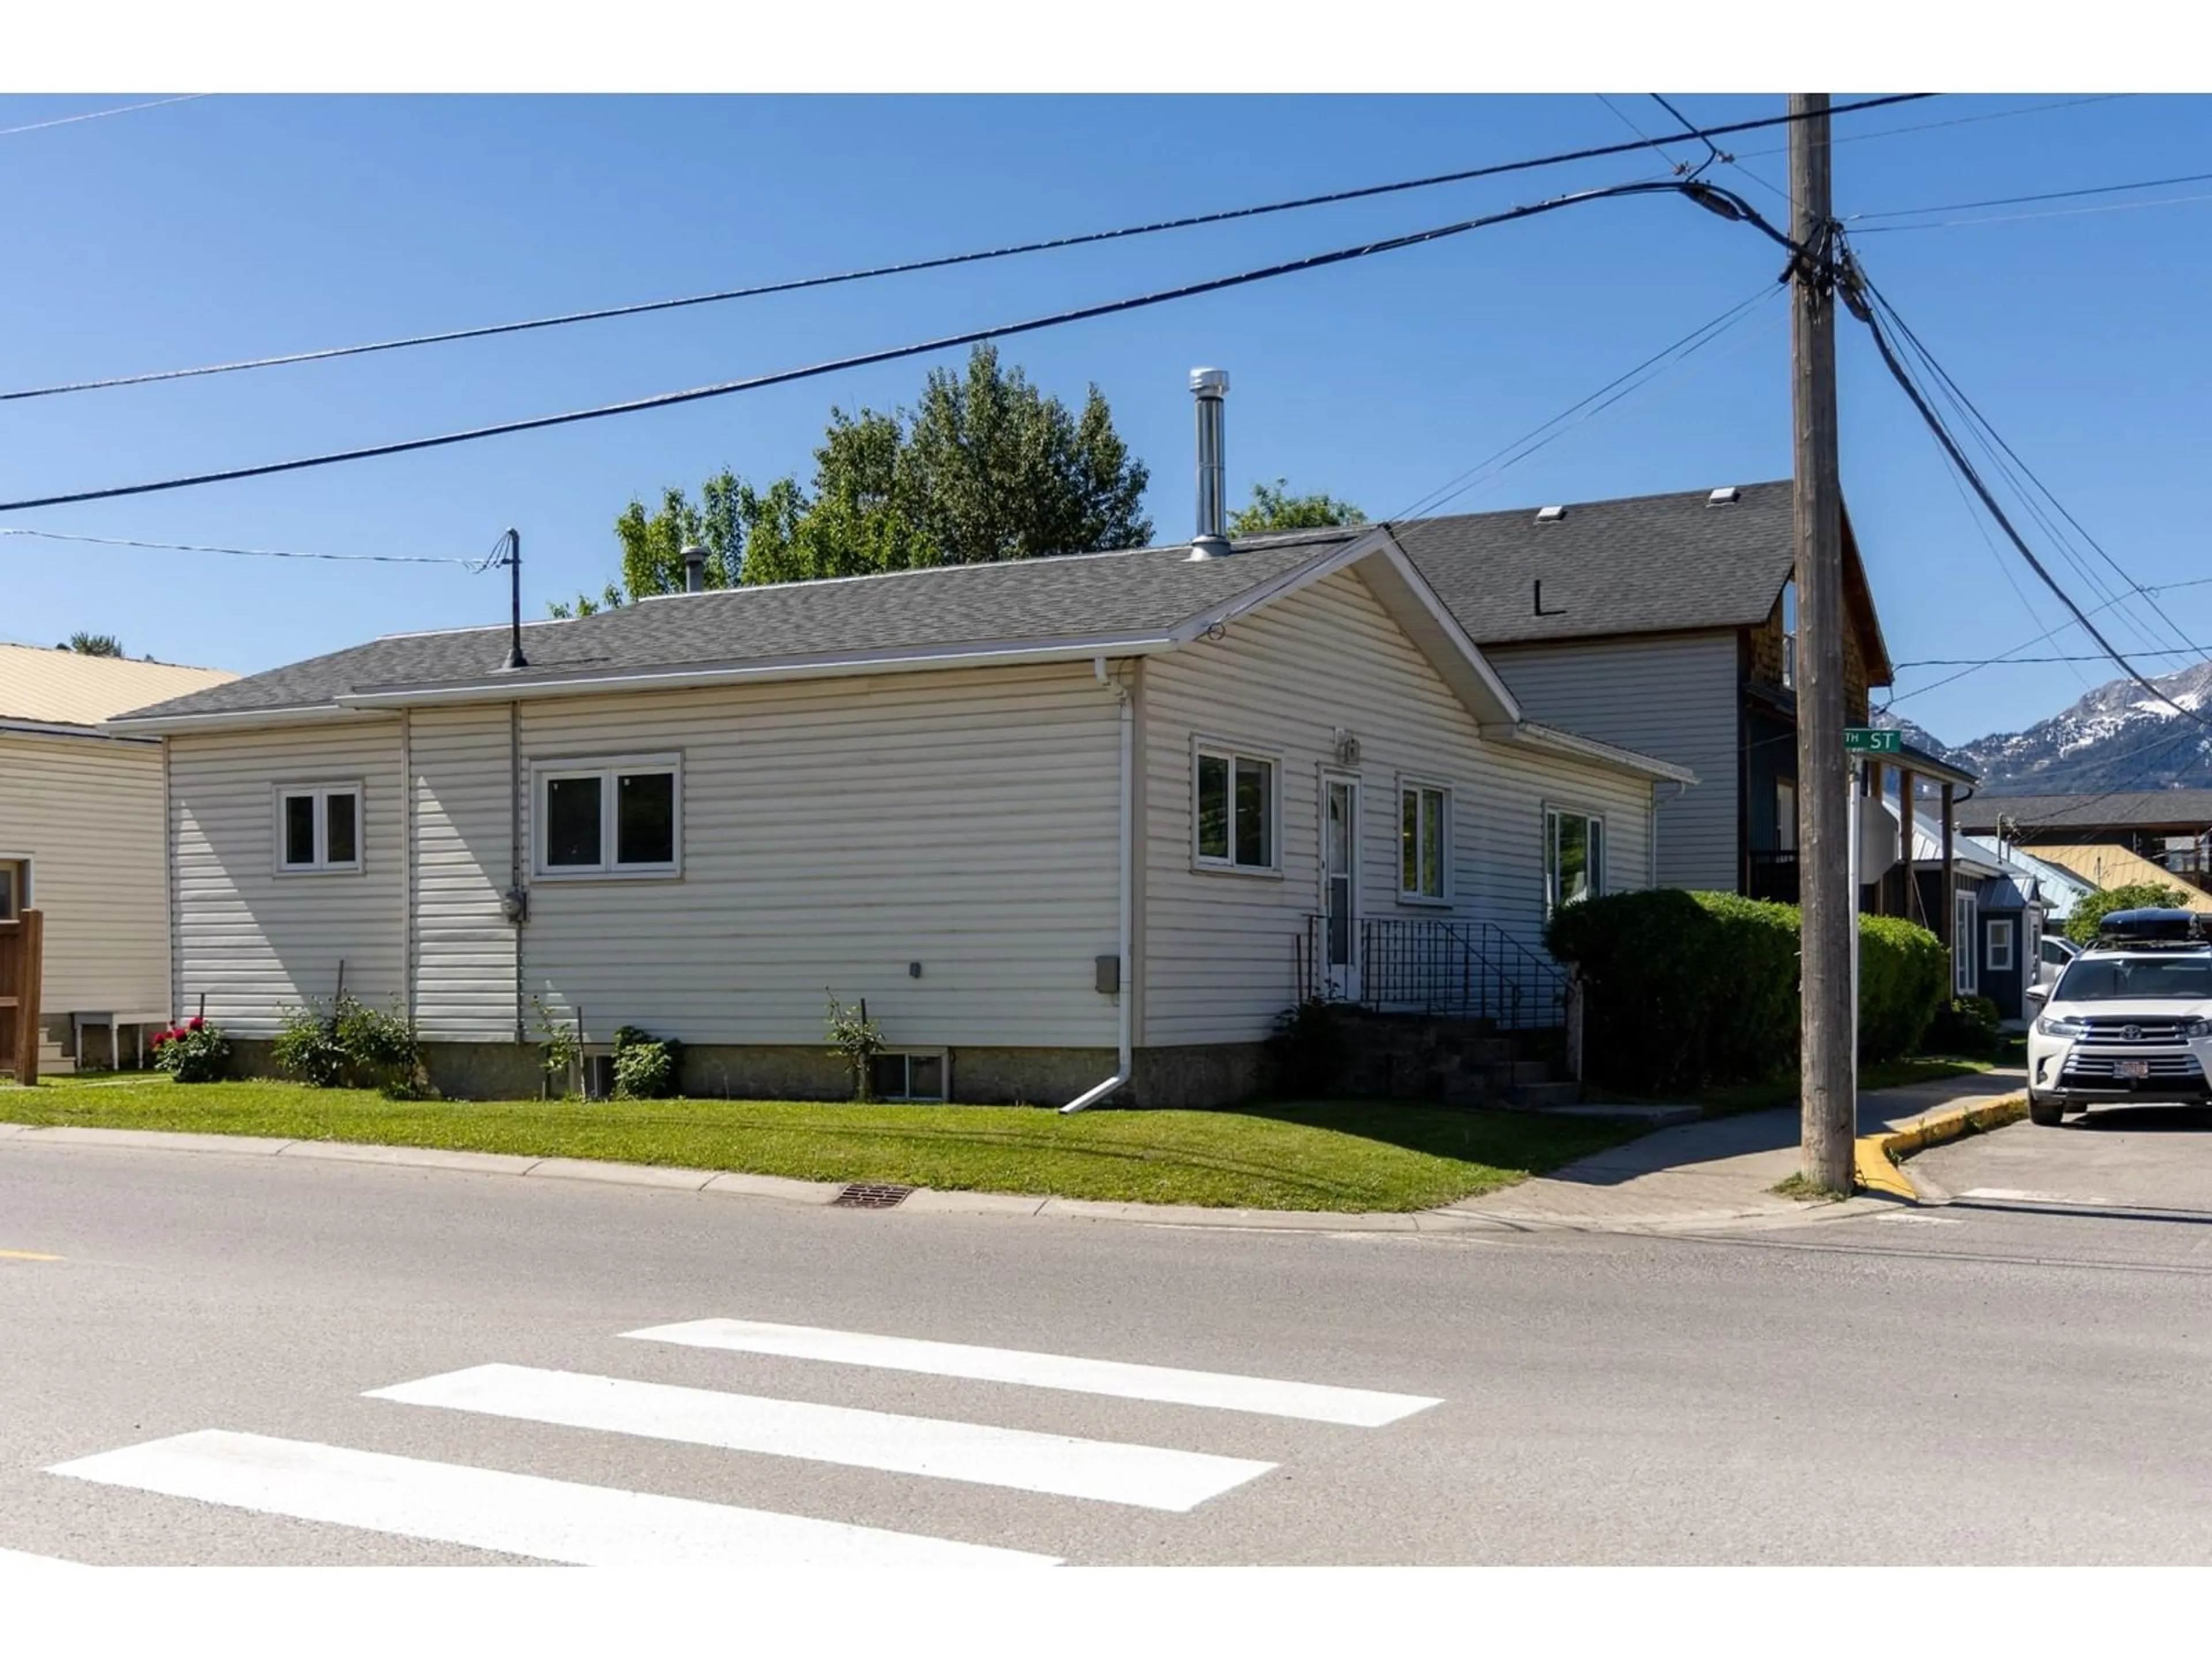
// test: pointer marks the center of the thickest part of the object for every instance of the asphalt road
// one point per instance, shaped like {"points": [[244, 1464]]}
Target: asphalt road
{"points": [[1993, 1381]]}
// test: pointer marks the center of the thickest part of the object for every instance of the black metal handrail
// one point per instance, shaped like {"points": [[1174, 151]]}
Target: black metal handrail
{"points": [[1433, 965]]}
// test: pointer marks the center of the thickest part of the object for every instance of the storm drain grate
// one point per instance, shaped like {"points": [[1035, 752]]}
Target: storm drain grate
{"points": [[869, 1195]]}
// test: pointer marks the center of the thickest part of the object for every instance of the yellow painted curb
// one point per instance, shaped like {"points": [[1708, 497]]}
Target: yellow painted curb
{"points": [[1873, 1157]]}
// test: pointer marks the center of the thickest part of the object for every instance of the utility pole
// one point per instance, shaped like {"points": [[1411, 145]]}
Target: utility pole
{"points": [[1828, 1100]]}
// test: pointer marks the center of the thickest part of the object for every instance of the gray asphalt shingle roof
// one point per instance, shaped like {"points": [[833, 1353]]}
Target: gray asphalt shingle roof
{"points": [[1148, 591], [1641, 564], [2187, 808]]}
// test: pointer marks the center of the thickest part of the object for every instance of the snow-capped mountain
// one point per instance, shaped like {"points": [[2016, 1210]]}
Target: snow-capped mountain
{"points": [[2118, 737]]}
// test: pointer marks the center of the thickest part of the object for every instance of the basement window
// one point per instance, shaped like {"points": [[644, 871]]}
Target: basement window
{"points": [[610, 818], [317, 828], [908, 1074]]}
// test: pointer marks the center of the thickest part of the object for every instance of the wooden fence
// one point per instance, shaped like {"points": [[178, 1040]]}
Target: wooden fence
{"points": [[20, 958]]}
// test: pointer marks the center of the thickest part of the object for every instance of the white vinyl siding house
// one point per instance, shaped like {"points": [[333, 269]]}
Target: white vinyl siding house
{"points": [[1674, 695], [961, 837], [1292, 682]]}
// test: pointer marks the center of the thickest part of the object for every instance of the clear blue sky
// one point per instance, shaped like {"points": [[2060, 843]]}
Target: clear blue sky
{"points": [[236, 225]]}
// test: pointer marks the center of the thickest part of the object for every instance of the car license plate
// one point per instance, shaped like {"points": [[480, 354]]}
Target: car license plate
{"points": [[2135, 1068]]}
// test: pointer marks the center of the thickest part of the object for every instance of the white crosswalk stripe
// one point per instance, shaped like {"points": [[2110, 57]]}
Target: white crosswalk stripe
{"points": [[1150, 1477], [542, 1518], [1312, 1401], [516, 1514]]}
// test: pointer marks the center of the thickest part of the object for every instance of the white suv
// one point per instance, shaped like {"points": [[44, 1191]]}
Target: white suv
{"points": [[2130, 1021]]}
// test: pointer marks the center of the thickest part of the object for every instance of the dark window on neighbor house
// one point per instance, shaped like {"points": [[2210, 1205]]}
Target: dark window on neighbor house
{"points": [[317, 828], [1236, 810], [611, 818]]}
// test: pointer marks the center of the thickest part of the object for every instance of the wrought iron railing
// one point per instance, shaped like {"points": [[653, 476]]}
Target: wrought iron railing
{"points": [[1431, 965]]}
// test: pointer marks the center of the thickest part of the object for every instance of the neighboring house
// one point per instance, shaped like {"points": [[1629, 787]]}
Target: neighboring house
{"points": [[2107, 865], [1666, 624], [1060, 822], [81, 838], [2171, 828]]}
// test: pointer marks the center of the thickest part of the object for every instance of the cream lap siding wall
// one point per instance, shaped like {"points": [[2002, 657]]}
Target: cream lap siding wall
{"points": [[1221, 949], [1676, 698], [87, 810], [834, 831], [463, 946], [256, 942]]}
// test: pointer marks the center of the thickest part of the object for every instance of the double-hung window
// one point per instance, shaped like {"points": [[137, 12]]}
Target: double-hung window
{"points": [[611, 818], [1574, 857], [1424, 842], [1237, 810], [317, 828], [1965, 922], [2001, 945]]}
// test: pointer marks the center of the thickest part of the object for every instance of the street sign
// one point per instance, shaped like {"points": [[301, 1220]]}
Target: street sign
{"points": [[1873, 741]]}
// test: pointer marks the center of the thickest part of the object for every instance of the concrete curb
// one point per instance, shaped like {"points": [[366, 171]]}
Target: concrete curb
{"points": [[1875, 1158]]}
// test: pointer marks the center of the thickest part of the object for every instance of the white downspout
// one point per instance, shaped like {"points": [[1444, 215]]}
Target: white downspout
{"points": [[1651, 850], [1125, 992]]}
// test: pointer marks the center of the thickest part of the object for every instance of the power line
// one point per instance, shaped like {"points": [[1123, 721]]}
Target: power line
{"points": [[1855, 289], [1857, 220], [1985, 662], [1715, 153], [2054, 213], [1954, 121], [1536, 438], [1705, 194], [240, 552], [907, 267], [99, 114]]}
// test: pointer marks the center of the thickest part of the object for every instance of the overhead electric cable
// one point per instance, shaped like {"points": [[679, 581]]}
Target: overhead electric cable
{"points": [[1720, 201], [238, 552], [907, 267], [99, 114], [2052, 213], [1858, 220]]}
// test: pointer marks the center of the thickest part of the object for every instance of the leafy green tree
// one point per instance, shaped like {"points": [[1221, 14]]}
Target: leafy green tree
{"points": [[95, 645], [986, 467], [1276, 509], [2082, 923]]}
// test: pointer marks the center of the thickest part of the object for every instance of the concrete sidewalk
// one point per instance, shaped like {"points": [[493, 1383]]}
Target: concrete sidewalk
{"points": [[1713, 1173]]}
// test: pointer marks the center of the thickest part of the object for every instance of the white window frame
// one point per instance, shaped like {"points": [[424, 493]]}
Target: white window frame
{"points": [[1965, 953], [609, 770], [1553, 811], [1409, 784], [1203, 749], [26, 898], [320, 865], [909, 1053], [2001, 928]]}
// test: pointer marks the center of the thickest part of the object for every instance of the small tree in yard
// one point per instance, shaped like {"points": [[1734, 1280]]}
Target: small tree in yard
{"points": [[853, 1036], [2090, 912]]}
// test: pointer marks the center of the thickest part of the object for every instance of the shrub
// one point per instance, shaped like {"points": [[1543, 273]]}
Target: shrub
{"points": [[350, 1044], [559, 1050], [645, 1069], [1905, 975], [1965, 1025], [854, 1038], [1306, 1052], [1685, 989], [1681, 988], [194, 1052], [2093, 908]]}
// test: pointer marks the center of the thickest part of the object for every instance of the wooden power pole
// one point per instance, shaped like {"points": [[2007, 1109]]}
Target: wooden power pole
{"points": [[1828, 1100]]}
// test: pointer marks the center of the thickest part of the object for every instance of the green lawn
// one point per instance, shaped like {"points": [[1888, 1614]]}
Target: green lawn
{"points": [[1329, 1155]]}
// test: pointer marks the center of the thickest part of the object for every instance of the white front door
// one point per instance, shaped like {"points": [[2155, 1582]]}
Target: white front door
{"points": [[1339, 884]]}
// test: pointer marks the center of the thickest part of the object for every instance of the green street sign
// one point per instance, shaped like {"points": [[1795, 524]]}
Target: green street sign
{"points": [[1873, 741]]}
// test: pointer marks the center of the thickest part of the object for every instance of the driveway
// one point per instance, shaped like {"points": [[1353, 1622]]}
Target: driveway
{"points": [[2123, 1158]]}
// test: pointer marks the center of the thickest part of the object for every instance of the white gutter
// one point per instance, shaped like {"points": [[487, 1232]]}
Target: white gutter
{"points": [[1125, 994], [1530, 735]]}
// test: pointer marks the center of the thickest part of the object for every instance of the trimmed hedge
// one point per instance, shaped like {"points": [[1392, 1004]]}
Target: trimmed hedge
{"points": [[1688, 989]]}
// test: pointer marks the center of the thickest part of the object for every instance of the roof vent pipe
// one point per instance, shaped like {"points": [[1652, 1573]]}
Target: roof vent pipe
{"points": [[1209, 387], [694, 568]]}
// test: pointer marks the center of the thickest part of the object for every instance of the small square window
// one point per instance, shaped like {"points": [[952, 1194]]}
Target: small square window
{"points": [[612, 817], [317, 828], [1234, 822]]}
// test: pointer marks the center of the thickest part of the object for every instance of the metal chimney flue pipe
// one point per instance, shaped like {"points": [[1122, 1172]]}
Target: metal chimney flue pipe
{"points": [[694, 568], [1211, 388]]}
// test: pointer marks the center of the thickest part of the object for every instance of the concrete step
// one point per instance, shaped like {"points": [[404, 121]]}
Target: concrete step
{"points": [[1540, 1096]]}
